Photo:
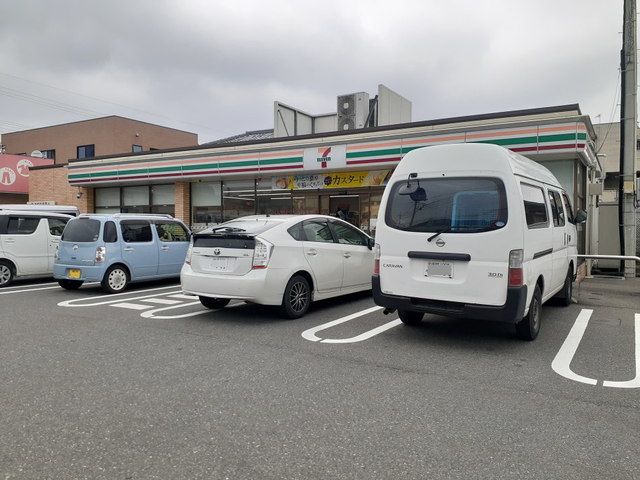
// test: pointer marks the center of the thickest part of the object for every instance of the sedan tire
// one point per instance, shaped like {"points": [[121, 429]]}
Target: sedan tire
{"points": [[297, 297]]}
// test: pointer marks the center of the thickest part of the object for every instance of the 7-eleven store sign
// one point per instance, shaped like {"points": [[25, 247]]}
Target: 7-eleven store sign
{"points": [[333, 156]]}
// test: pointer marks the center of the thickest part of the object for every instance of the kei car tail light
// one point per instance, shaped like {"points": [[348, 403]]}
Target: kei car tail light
{"points": [[101, 254], [261, 254], [516, 274], [376, 260]]}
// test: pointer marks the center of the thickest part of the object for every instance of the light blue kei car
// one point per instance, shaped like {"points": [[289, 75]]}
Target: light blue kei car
{"points": [[116, 249]]}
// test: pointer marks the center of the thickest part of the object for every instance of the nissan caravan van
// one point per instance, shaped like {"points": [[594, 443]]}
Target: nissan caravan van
{"points": [[475, 231]]}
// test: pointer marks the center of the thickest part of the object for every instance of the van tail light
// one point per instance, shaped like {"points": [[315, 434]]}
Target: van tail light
{"points": [[187, 259], [376, 260], [101, 254], [261, 254], [516, 274]]}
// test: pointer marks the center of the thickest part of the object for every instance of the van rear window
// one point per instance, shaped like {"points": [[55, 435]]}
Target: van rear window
{"points": [[81, 230], [453, 204]]}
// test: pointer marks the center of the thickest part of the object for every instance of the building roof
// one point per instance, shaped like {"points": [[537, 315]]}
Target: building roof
{"points": [[248, 136]]}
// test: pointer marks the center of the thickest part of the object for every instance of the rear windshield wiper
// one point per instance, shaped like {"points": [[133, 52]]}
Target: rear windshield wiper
{"points": [[227, 230], [444, 230], [463, 230]]}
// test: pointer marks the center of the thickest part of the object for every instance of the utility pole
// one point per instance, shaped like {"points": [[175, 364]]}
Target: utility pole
{"points": [[628, 121]]}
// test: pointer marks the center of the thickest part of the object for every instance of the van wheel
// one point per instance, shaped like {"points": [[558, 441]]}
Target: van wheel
{"points": [[297, 297], [115, 280], [564, 296], [529, 326], [70, 284], [214, 303], [410, 318], [6, 274]]}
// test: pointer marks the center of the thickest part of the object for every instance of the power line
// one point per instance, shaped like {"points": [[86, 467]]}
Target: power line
{"points": [[613, 111], [110, 102]]}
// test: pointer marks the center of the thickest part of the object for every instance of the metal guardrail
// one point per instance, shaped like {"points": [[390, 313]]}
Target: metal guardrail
{"points": [[607, 257]]}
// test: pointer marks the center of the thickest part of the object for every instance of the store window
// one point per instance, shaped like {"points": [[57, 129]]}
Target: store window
{"points": [[238, 198], [206, 204], [136, 199], [85, 151], [107, 200], [274, 201], [163, 199], [49, 154]]}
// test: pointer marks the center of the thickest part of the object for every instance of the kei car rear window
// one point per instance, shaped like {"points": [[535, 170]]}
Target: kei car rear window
{"points": [[80, 230], [447, 204]]}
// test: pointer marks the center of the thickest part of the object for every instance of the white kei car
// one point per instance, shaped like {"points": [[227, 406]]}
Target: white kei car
{"points": [[286, 260]]}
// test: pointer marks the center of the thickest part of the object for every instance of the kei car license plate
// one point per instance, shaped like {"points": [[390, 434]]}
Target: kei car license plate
{"points": [[437, 268], [218, 264], [74, 273]]}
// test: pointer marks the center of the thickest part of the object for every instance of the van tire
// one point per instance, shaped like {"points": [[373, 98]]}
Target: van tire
{"points": [[297, 297], [410, 318], [214, 303], [529, 327], [7, 273], [564, 296], [70, 284], [115, 280]]}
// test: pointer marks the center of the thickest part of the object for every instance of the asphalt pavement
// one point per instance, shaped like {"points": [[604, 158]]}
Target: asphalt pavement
{"points": [[149, 384]]}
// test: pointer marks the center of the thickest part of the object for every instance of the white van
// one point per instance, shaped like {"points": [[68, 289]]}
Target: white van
{"points": [[475, 231], [28, 243], [35, 207]]}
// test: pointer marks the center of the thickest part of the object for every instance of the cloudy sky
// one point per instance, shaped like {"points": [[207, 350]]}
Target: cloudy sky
{"points": [[215, 67]]}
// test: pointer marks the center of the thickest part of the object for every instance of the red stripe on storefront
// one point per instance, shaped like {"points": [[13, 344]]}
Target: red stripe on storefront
{"points": [[377, 160], [283, 167]]}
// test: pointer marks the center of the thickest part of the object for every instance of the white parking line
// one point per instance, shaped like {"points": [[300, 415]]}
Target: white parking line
{"points": [[35, 289], [75, 302], [634, 383], [310, 334], [161, 301], [131, 306], [562, 362], [152, 313], [183, 296]]}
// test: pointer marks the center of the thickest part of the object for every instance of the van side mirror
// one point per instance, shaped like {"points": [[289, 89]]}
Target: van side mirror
{"points": [[370, 243], [581, 216]]}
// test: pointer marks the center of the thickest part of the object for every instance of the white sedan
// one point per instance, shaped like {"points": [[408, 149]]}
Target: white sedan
{"points": [[286, 260]]}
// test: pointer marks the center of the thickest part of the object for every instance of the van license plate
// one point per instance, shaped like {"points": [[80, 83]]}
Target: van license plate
{"points": [[73, 273], [439, 269]]}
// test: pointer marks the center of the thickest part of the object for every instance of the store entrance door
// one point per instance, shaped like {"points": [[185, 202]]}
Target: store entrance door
{"points": [[345, 207]]}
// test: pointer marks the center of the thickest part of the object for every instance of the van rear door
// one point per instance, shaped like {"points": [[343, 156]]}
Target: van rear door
{"points": [[447, 240]]}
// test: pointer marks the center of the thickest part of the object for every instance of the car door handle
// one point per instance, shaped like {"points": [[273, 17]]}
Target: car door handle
{"points": [[128, 249], [346, 255], [312, 253], [9, 240], [164, 249]]}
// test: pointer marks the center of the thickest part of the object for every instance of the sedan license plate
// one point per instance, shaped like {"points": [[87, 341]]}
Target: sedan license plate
{"points": [[218, 264], [439, 268], [74, 273]]}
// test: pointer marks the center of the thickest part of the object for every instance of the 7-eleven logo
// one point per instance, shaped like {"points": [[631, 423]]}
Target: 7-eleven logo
{"points": [[324, 156]]}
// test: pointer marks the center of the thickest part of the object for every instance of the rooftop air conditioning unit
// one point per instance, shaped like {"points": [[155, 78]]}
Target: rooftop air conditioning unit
{"points": [[353, 110]]}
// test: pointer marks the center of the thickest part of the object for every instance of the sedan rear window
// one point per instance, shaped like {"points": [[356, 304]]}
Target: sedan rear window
{"points": [[457, 205], [81, 230]]}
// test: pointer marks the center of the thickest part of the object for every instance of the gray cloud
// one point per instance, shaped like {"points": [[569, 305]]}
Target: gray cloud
{"points": [[215, 67]]}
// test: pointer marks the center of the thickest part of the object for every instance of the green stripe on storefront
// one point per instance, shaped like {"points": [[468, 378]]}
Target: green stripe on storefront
{"points": [[374, 153], [279, 161]]}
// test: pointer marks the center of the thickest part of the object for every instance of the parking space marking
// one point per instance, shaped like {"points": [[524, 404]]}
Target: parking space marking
{"points": [[183, 296], [152, 313], [562, 362], [131, 306], [310, 334], [75, 303], [161, 301], [34, 288], [634, 383]]}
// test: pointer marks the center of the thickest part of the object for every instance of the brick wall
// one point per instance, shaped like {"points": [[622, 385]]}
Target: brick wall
{"points": [[183, 202], [50, 184]]}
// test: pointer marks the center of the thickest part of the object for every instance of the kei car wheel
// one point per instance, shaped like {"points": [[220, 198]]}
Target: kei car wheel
{"points": [[297, 297], [6, 274], [70, 284], [115, 279], [214, 303], [410, 318], [529, 327]]}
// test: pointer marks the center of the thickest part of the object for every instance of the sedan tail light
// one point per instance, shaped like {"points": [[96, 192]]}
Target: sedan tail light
{"points": [[261, 254], [187, 260]]}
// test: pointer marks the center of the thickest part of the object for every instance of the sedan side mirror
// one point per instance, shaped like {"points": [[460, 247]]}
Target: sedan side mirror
{"points": [[581, 216]]}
